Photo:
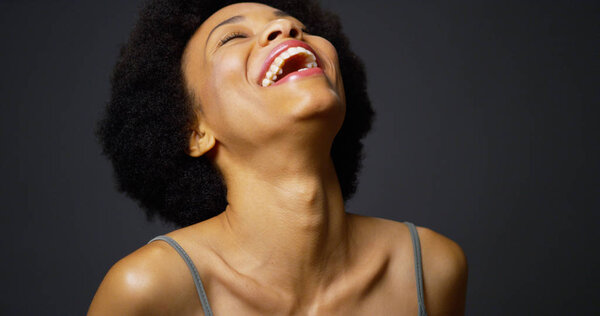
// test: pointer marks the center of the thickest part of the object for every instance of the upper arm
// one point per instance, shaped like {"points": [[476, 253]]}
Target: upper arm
{"points": [[444, 274]]}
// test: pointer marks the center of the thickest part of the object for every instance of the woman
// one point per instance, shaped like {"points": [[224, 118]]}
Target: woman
{"points": [[242, 123]]}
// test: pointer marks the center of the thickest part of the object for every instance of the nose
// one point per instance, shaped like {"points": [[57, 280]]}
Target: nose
{"points": [[279, 28]]}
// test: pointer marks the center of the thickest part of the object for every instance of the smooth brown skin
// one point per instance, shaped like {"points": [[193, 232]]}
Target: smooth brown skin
{"points": [[284, 245]]}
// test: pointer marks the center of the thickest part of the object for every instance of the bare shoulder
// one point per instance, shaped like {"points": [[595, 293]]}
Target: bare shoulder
{"points": [[376, 225], [446, 256], [444, 273], [443, 256], [147, 281], [443, 260]]}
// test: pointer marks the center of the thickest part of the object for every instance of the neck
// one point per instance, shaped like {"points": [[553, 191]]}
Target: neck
{"points": [[289, 223]]}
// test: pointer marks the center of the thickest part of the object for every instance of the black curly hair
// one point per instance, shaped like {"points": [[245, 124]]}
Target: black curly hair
{"points": [[147, 122]]}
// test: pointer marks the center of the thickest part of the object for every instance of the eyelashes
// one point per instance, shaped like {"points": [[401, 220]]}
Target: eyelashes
{"points": [[231, 36]]}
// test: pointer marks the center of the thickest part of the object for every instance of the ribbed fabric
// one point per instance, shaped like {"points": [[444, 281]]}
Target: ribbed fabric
{"points": [[418, 267], [204, 300], [193, 270]]}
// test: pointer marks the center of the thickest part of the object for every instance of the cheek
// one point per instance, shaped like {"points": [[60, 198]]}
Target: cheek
{"points": [[327, 50], [231, 106], [225, 74], [227, 81], [228, 70], [332, 65]]}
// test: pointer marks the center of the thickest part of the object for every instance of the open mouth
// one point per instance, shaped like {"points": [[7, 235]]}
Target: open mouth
{"points": [[287, 59]]}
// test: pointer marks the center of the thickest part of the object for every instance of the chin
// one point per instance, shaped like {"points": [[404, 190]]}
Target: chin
{"points": [[317, 102]]}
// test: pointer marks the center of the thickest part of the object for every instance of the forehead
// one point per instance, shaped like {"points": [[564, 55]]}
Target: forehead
{"points": [[246, 9]]}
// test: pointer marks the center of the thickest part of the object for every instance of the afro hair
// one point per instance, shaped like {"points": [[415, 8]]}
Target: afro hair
{"points": [[146, 125]]}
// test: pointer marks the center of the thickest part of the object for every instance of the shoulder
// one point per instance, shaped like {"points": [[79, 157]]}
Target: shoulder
{"points": [[443, 261], [443, 256], [446, 255], [440, 253], [444, 273], [142, 283]]}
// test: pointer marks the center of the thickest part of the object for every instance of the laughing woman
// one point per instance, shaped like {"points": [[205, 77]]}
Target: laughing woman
{"points": [[242, 124]]}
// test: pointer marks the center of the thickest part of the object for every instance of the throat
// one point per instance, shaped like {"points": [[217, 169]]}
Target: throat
{"points": [[294, 229]]}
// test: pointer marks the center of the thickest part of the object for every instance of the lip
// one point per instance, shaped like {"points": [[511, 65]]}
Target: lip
{"points": [[277, 50], [299, 74]]}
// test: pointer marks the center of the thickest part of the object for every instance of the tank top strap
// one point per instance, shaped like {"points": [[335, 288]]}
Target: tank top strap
{"points": [[193, 270], [414, 235]]}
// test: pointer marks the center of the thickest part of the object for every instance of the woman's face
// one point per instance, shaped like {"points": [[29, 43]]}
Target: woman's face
{"points": [[230, 66]]}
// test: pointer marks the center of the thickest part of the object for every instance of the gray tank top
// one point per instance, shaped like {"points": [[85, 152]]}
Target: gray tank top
{"points": [[204, 300]]}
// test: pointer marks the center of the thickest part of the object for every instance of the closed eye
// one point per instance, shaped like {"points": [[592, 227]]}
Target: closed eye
{"points": [[231, 36]]}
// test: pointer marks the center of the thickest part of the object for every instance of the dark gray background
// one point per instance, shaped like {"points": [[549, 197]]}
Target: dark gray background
{"points": [[486, 132]]}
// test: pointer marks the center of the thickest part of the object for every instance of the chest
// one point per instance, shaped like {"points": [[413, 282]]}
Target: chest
{"points": [[383, 303], [381, 291]]}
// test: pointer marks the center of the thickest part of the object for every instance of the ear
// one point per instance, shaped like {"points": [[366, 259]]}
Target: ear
{"points": [[201, 141]]}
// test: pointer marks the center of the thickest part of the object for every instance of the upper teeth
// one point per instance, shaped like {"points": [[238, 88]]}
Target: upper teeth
{"points": [[277, 65]]}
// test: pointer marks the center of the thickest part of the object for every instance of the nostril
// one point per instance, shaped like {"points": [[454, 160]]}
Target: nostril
{"points": [[293, 33], [273, 35]]}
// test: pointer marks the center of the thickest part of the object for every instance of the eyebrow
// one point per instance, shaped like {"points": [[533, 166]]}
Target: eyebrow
{"points": [[238, 18]]}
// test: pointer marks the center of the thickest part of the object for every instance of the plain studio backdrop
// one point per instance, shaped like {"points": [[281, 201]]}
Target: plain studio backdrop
{"points": [[486, 131]]}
